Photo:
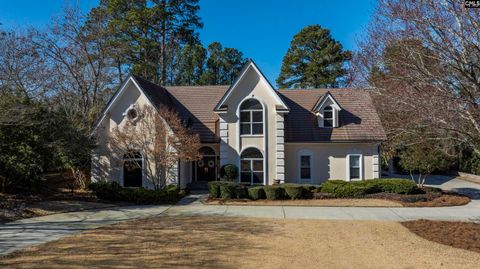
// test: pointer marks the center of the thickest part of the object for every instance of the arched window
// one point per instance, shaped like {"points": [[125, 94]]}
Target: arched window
{"points": [[328, 117], [251, 166], [206, 151], [251, 117], [132, 169]]}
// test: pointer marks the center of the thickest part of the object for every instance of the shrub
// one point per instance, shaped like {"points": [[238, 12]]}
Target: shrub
{"points": [[112, 191], [308, 191], [240, 192], [256, 193], [399, 186], [228, 191], [229, 172], [344, 189], [214, 189], [273, 192], [293, 191]]}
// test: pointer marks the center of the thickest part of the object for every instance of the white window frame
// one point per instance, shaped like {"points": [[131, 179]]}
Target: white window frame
{"points": [[334, 120], [251, 166], [348, 167], [301, 153], [251, 122]]}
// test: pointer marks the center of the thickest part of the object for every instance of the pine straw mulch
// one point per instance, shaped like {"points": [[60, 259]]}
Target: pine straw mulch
{"points": [[464, 235]]}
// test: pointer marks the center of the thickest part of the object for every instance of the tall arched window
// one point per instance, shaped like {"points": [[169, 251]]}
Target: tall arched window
{"points": [[328, 117], [251, 166], [132, 169], [251, 117]]}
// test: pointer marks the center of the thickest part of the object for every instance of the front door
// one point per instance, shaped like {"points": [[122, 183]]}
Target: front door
{"points": [[206, 169], [132, 174]]}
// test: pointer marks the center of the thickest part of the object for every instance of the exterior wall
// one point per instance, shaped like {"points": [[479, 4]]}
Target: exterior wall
{"points": [[106, 165], [251, 86], [329, 160]]}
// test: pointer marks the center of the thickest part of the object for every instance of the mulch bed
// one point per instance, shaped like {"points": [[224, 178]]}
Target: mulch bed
{"points": [[464, 235], [432, 197]]}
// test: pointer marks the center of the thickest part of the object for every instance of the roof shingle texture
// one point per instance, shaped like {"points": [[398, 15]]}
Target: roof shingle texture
{"points": [[358, 120]]}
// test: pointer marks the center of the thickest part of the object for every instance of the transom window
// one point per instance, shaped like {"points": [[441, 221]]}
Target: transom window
{"points": [[305, 167], [251, 166], [251, 117], [328, 117], [355, 168]]}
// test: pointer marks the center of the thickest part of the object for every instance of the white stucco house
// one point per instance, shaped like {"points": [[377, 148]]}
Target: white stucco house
{"points": [[286, 135]]}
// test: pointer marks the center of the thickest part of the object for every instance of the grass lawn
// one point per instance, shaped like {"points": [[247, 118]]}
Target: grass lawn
{"points": [[221, 242]]}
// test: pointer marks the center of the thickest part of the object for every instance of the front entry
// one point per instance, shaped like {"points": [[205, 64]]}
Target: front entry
{"points": [[206, 169], [132, 174]]}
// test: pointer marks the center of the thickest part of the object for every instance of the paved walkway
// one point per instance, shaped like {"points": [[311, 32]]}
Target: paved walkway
{"points": [[20, 234]]}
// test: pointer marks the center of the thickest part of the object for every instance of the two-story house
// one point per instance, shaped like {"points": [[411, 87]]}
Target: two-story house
{"points": [[286, 135]]}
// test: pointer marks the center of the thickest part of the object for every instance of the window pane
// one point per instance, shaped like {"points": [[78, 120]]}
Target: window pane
{"points": [[244, 116], [257, 128], [258, 165], [245, 128], [305, 161], [327, 114], [245, 177], [251, 153], [251, 104], [257, 116], [257, 177], [245, 165], [305, 173], [327, 123], [354, 172], [354, 161]]}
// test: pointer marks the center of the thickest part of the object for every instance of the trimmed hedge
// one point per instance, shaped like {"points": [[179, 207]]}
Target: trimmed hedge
{"points": [[112, 191], [214, 189], [273, 192], [256, 193], [228, 190], [355, 189], [293, 191]]}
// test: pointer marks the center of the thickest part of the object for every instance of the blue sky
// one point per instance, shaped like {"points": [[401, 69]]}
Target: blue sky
{"points": [[261, 29]]}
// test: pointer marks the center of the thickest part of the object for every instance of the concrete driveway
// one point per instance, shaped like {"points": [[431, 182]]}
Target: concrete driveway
{"points": [[23, 233]]}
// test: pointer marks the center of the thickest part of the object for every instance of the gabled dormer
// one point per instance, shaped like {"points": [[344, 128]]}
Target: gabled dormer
{"points": [[327, 111]]}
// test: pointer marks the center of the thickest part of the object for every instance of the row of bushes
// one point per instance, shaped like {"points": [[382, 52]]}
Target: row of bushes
{"points": [[335, 188], [112, 191]]}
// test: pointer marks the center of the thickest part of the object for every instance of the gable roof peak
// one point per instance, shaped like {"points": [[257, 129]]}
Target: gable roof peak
{"points": [[321, 101]]}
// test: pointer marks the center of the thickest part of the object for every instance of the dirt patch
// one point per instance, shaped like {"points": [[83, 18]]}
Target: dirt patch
{"points": [[220, 242], [464, 235], [431, 198], [310, 202]]}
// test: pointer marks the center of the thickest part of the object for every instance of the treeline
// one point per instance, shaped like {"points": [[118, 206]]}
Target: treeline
{"points": [[54, 81]]}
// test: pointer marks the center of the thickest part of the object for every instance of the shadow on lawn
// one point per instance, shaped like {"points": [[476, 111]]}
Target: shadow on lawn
{"points": [[165, 242]]}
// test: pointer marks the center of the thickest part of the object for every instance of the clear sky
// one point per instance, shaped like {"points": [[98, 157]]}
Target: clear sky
{"points": [[261, 29]]}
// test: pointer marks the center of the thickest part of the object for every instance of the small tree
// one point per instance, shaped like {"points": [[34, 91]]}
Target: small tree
{"points": [[162, 139], [423, 159]]}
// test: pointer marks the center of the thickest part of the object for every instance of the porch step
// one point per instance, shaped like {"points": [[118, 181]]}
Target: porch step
{"points": [[198, 186]]}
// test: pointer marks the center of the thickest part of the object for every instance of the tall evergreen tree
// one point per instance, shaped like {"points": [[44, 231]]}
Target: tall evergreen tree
{"points": [[314, 59], [148, 33], [223, 65]]}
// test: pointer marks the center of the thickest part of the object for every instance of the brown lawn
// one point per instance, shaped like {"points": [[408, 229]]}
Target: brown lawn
{"points": [[220, 242]]}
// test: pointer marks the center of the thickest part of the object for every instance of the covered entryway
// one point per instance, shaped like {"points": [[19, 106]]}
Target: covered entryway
{"points": [[132, 169], [205, 169]]}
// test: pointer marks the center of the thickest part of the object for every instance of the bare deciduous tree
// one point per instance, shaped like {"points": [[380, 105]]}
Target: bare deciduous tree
{"points": [[422, 59], [161, 138]]}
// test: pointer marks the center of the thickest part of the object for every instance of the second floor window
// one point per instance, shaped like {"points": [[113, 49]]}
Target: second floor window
{"points": [[328, 117], [251, 117]]}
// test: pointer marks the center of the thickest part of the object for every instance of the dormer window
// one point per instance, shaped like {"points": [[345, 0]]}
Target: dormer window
{"points": [[327, 111], [328, 120]]}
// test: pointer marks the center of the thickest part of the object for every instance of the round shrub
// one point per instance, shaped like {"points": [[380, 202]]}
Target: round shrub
{"points": [[256, 193], [229, 172], [293, 191], [273, 192], [214, 189], [228, 191], [240, 192]]}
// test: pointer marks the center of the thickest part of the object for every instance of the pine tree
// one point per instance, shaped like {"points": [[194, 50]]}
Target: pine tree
{"points": [[313, 60]]}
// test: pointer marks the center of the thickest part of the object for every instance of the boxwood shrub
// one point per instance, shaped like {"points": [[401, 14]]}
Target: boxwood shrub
{"points": [[228, 190], [273, 192], [293, 191], [241, 192], [214, 189], [256, 192], [344, 189], [112, 191]]}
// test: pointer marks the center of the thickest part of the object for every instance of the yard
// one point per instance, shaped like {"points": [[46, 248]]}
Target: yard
{"points": [[221, 242]]}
